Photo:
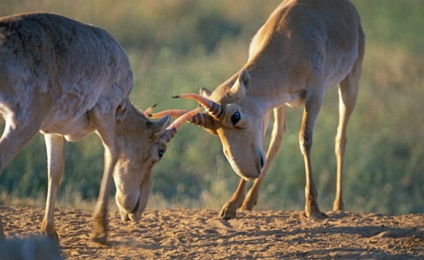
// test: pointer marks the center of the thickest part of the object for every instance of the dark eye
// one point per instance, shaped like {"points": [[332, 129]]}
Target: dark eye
{"points": [[161, 152], [235, 118]]}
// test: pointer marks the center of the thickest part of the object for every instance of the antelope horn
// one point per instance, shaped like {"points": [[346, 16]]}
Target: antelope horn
{"points": [[197, 119], [149, 110], [216, 110], [172, 129], [172, 112]]}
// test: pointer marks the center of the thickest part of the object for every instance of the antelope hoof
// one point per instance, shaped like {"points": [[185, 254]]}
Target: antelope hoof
{"points": [[228, 211], [249, 205], [316, 214], [53, 236], [99, 234], [338, 206], [100, 238], [50, 232]]}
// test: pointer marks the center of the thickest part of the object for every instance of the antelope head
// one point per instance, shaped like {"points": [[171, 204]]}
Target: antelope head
{"points": [[237, 119], [141, 144]]}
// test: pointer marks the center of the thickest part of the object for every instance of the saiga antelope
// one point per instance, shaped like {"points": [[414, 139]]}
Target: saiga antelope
{"points": [[67, 79], [303, 49]]}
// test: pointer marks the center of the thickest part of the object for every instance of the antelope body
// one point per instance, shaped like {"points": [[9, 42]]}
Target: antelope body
{"points": [[67, 79], [303, 49]]}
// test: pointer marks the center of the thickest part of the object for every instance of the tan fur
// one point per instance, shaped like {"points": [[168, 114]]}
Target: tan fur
{"points": [[67, 79], [303, 49]]}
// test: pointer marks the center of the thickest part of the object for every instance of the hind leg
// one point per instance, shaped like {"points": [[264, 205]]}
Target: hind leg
{"points": [[348, 93], [13, 140], [21, 125]]}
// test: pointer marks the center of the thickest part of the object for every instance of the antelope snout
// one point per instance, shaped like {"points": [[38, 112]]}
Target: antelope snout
{"points": [[128, 206], [247, 168]]}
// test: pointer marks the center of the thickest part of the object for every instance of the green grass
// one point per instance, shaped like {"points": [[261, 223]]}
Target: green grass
{"points": [[179, 46]]}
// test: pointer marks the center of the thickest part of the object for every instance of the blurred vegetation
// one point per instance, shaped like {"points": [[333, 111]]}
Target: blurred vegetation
{"points": [[177, 46]]}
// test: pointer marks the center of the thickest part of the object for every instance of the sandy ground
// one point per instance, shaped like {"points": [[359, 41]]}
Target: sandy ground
{"points": [[201, 234]]}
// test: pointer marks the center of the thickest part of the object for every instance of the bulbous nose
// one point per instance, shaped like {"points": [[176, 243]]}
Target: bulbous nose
{"points": [[262, 160], [248, 164], [128, 203], [136, 207]]}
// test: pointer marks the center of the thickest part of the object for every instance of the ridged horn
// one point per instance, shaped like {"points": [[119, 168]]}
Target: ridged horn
{"points": [[197, 119], [148, 111], [172, 129], [216, 110], [175, 113]]}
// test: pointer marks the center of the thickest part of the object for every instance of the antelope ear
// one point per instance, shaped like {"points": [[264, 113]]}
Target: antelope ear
{"points": [[160, 126], [205, 92], [240, 87], [120, 112]]}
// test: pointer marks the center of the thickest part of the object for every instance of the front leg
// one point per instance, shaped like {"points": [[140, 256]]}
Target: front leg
{"points": [[56, 165], [101, 210], [278, 129], [348, 94], [105, 124], [229, 210]]}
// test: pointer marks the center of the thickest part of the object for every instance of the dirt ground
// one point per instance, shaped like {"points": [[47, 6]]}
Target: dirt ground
{"points": [[201, 234]]}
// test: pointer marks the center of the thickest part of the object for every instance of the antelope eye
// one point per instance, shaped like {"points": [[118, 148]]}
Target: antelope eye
{"points": [[235, 118], [161, 152]]}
